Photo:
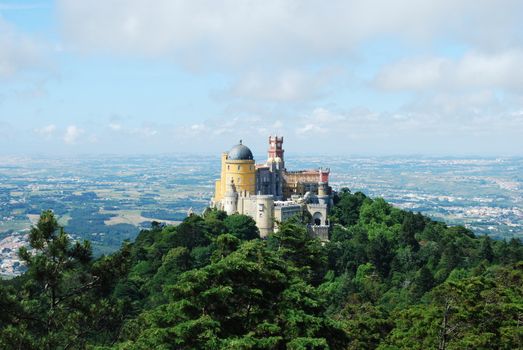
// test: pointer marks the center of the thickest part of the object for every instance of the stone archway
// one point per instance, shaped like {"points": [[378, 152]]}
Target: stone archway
{"points": [[317, 218]]}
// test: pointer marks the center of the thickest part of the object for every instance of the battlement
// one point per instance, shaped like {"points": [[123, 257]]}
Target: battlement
{"points": [[275, 139], [307, 172], [316, 205]]}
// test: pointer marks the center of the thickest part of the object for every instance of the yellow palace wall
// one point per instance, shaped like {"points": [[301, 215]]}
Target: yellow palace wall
{"points": [[243, 172]]}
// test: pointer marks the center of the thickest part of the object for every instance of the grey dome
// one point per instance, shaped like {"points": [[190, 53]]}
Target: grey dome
{"points": [[240, 152]]}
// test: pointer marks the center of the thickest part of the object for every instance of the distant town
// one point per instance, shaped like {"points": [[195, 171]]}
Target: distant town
{"points": [[108, 199]]}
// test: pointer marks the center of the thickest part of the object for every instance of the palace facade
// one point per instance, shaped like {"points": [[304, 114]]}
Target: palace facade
{"points": [[269, 193]]}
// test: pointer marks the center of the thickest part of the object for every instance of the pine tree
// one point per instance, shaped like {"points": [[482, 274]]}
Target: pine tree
{"points": [[486, 252]]}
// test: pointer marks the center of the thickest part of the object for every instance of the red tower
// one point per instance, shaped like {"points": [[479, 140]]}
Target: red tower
{"points": [[276, 147], [324, 175]]}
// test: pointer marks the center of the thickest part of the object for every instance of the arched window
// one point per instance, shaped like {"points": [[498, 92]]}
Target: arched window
{"points": [[239, 167], [317, 218]]}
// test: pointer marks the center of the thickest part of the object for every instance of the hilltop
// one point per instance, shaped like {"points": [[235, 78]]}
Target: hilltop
{"points": [[387, 279]]}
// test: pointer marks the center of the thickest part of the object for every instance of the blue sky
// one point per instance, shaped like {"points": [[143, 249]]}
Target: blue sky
{"points": [[339, 77]]}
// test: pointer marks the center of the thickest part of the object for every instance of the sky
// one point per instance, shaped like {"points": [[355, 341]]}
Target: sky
{"points": [[340, 77]]}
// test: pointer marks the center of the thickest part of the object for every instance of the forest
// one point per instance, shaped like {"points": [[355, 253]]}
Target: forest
{"points": [[387, 279]]}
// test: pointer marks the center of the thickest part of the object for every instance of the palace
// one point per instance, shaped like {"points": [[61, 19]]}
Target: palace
{"points": [[269, 193]]}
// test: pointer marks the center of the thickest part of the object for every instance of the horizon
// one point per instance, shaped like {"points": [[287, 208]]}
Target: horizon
{"points": [[360, 78], [262, 156]]}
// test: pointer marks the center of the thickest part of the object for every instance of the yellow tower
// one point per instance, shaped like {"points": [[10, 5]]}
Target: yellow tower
{"points": [[238, 166]]}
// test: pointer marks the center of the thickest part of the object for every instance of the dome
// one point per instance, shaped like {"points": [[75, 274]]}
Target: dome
{"points": [[240, 152]]}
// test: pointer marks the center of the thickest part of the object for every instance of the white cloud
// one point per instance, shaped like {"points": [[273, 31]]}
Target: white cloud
{"points": [[287, 86], [473, 70], [324, 116], [311, 129], [320, 120], [115, 126], [273, 59], [72, 133], [473, 127], [18, 52], [412, 74], [46, 131], [503, 70], [453, 106], [233, 31], [198, 128], [144, 131], [432, 126]]}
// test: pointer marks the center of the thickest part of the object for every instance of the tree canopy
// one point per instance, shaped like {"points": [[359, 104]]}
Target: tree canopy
{"points": [[387, 279]]}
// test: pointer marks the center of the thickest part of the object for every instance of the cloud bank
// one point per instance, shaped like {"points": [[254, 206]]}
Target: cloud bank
{"points": [[291, 30], [430, 76]]}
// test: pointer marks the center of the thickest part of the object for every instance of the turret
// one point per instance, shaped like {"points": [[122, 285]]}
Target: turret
{"points": [[323, 195], [230, 200], [264, 214]]}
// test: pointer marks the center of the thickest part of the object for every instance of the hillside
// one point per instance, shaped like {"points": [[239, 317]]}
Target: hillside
{"points": [[388, 279]]}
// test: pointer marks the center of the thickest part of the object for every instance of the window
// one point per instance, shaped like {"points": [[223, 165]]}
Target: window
{"points": [[228, 167], [239, 167]]}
